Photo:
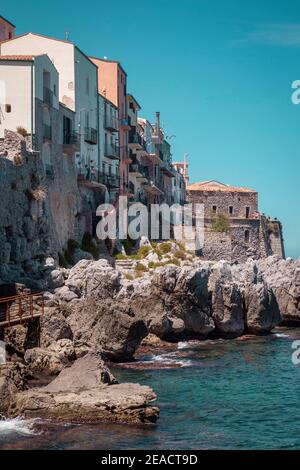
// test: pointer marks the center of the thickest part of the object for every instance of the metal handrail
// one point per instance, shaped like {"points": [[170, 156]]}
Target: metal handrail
{"points": [[19, 308]]}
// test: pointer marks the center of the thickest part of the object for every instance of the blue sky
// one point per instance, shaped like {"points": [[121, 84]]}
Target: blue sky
{"points": [[219, 72]]}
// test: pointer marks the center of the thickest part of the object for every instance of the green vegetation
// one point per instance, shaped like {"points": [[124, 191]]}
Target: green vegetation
{"points": [[141, 268], [120, 256], [180, 254], [88, 245], [220, 223], [62, 260], [144, 251], [129, 277]]}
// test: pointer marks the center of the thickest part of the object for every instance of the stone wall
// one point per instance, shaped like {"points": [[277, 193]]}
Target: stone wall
{"points": [[24, 215], [254, 237], [223, 200]]}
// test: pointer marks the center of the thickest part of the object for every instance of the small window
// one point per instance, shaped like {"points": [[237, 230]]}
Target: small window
{"points": [[230, 210], [214, 209], [8, 108], [247, 212], [247, 236], [54, 90]]}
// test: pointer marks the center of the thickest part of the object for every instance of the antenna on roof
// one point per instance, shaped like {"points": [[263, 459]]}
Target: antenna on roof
{"points": [[67, 33]]}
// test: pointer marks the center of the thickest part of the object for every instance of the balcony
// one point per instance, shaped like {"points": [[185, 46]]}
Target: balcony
{"points": [[153, 188], [47, 133], [136, 142], [91, 136], [48, 96], [111, 181], [70, 142], [111, 123], [112, 151], [125, 124], [135, 169]]}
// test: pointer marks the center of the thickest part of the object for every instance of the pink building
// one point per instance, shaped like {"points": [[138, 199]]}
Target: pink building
{"points": [[112, 84], [7, 29]]}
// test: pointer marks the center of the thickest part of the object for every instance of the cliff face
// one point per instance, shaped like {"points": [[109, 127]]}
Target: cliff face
{"points": [[24, 214]]}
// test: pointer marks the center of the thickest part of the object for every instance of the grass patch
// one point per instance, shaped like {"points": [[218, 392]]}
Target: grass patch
{"points": [[140, 268]]}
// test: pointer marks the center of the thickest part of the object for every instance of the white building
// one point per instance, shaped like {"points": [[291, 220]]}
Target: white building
{"points": [[29, 100], [78, 78]]}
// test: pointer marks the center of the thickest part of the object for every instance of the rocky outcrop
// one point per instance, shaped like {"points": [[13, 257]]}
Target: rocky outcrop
{"points": [[51, 360], [12, 380], [87, 392]]}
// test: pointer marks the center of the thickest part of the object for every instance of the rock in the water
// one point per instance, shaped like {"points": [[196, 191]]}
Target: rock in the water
{"points": [[108, 324], [87, 392]]}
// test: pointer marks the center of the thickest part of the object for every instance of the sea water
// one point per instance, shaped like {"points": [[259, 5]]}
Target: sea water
{"points": [[223, 394]]}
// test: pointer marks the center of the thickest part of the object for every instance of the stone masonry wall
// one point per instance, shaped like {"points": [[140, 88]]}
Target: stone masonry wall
{"points": [[24, 234], [223, 200]]}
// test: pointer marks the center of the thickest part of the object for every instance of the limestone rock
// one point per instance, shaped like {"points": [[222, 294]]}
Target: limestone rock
{"points": [[51, 360], [12, 380], [87, 392]]}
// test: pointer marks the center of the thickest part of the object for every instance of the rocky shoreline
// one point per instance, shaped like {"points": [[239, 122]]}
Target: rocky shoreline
{"points": [[95, 314]]}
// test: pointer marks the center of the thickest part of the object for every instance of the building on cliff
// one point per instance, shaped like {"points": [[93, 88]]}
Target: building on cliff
{"points": [[83, 127], [77, 88], [234, 229], [7, 29]]}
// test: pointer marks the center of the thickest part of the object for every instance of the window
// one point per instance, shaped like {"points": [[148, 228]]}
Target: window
{"points": [[214, 209], [231, 210], [8, 108], [67, 130], [247, 212], [247, 236], [54, 90]]}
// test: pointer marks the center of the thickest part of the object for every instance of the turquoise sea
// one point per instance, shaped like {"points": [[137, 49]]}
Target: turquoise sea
{"points": [[233, 394]]}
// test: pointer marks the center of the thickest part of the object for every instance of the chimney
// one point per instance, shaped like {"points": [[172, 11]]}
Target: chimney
{"points": [[157, 123]]}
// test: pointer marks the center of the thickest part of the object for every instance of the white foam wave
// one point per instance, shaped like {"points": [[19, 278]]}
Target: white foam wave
{"points": [[281, 335], [16, 426], [169, 359], [183, 345]]}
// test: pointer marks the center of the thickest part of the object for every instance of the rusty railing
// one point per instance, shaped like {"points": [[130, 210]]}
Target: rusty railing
{"points": [[21, 308]]}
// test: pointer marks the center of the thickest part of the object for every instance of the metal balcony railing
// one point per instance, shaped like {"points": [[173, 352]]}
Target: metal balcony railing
{"points": [[70, 138], [136, 168], [111, 181], [111, 123], [48, 96], [112, 151], [91, 135]]}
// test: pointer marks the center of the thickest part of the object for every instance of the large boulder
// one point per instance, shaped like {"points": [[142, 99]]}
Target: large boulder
{"points": [[109, 325], [226, 302], [87, 392]]}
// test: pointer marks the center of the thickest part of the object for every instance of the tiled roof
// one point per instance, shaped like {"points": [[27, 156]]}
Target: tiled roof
{"points": [[217, 186], [17, 57]]}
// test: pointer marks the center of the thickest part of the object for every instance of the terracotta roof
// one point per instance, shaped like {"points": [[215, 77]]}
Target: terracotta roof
{"points": [[213, 185], [17, 57]]}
